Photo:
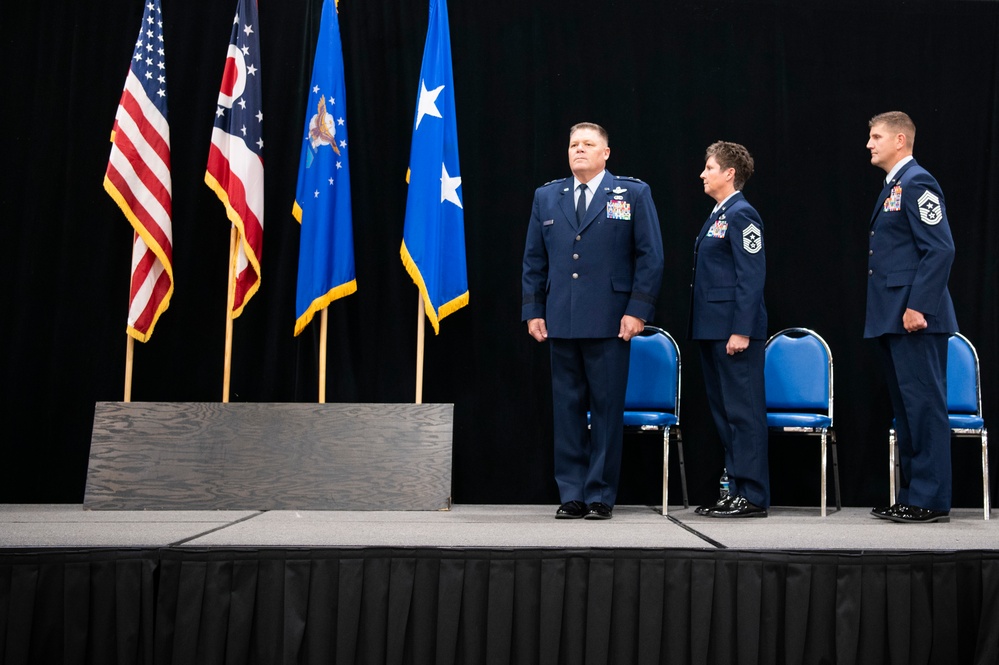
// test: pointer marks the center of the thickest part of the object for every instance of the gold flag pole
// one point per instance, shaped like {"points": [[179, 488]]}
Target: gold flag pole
{"points": [[322, 357], [421, 315], [230, 297], [129, 350]]}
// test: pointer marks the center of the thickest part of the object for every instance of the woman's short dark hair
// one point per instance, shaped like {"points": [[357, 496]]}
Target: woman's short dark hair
{"points": [[732, 155]]}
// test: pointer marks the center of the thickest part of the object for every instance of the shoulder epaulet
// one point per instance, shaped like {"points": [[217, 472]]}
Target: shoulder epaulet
{"points": [[627, 177], [554, 181]]}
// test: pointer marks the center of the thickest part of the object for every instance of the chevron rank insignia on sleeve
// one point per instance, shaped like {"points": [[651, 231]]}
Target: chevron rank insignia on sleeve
{"points": [[929, 208], [752, 239]]}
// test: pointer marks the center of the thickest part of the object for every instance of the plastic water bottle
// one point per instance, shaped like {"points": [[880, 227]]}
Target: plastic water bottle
{"points": [[723, 484]]}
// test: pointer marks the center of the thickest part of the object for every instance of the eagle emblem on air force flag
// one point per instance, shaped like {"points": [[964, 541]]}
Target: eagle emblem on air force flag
{"points": [[929, 208], [752, 239]]}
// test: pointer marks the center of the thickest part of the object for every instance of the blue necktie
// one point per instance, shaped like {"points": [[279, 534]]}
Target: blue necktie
{"points": [[581, 204]]}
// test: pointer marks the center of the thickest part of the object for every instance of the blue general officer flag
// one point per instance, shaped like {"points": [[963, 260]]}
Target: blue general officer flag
{"points": [[322, 199], [433, 242]]}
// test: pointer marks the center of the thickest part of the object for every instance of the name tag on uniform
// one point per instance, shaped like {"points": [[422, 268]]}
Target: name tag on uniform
{"points": [[718, 229], [618, 210], [548, 222], [894, 202]]}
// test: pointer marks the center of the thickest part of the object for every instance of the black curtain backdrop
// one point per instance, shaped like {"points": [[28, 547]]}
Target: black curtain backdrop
{"points": [[794, 82]]}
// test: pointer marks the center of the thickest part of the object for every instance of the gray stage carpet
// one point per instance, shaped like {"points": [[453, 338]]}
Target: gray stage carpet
{"points": [[496, 526]]}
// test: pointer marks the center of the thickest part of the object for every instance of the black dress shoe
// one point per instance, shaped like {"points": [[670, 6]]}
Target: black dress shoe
{"points": [[900, 512], [721, 504], [571, 510], [738, 506], [598, 511]]}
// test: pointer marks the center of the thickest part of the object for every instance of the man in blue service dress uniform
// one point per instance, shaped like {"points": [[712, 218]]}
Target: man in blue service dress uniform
{"points": [[910, 313], [729, 319], [593, 264]]}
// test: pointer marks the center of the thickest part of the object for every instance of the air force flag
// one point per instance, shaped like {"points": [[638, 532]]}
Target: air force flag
{"points": [[322, 199]]}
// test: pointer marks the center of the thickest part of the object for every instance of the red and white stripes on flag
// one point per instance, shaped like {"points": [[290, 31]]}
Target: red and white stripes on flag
{"points": [[138, 176], [235, 159]]}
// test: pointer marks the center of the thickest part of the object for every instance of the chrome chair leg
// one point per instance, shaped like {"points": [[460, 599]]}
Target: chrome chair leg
{"points": [[665, 469], [987, 502], [823, 479]]}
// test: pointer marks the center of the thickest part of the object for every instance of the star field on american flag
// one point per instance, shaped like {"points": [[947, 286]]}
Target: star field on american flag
{"points": [[244, 116], [148, 62]]}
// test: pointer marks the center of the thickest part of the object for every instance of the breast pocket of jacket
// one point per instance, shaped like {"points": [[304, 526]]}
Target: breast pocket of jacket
{"points": [[547, 227]]}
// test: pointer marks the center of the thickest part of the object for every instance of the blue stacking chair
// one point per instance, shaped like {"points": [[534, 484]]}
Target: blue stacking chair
{"points": [[964, 408], [652, 401], [799, 385]]}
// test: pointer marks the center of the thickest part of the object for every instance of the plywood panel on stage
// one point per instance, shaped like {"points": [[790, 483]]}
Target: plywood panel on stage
{"points": [[269, 456]]}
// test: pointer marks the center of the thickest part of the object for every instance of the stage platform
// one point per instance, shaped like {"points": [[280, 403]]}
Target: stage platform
{"points": [[493, 585], [496, 526]]}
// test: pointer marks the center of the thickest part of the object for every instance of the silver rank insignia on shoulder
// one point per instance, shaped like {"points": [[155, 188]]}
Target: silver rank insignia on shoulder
{"points": [[929, 208], [752, 239], [619, 190]]}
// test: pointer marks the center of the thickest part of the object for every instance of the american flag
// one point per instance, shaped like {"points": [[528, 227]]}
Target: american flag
{"points": [[235, 159], [138, 175]]}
